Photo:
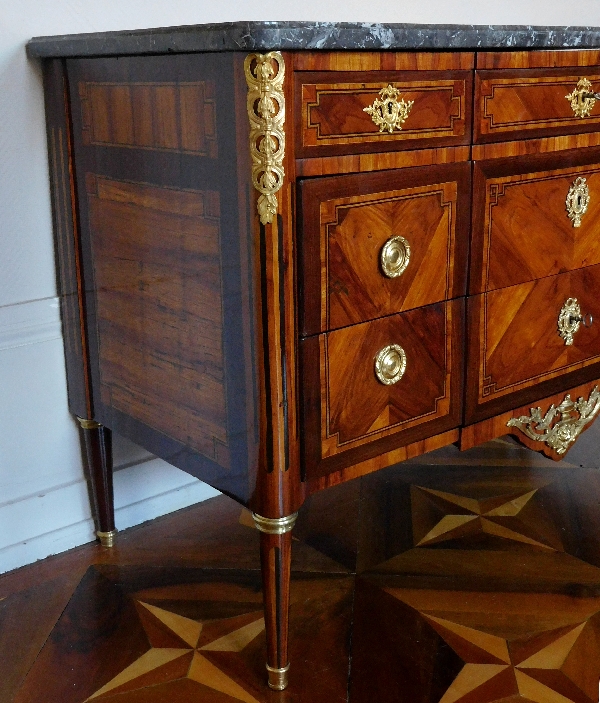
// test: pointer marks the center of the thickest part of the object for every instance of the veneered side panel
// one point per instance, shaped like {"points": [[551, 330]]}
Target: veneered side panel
{"points": [[169, 270]]}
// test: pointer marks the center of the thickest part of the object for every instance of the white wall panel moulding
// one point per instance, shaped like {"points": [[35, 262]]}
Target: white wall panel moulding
{"points": [[29, 323], [58, 537]]}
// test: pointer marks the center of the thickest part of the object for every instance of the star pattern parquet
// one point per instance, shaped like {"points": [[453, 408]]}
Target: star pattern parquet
{"points": [[521, 658], [489, 647], [130, 635], [181, 648], [453, 581], [440, 516]]}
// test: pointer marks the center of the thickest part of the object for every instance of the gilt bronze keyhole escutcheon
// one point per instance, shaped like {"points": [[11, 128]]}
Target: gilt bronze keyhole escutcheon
{"points": [[578, 199], [570, 320], [387, 111], [582, 98]]}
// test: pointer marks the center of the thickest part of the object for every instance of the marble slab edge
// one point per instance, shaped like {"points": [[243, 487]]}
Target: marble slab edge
{"points": [[265, 36]]}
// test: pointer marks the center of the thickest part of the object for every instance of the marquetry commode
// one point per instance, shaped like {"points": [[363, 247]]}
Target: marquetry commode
{"points": [[293, 254]]}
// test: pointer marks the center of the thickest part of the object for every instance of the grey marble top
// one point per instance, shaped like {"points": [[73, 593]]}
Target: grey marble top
{"points": [[264, 36]]}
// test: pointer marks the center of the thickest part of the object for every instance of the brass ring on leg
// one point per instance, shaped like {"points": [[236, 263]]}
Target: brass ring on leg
{"points": [[275, 526], [107, 539], [278, 678]]}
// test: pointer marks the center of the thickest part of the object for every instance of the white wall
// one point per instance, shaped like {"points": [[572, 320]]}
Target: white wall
{"points": [[43, 500]]}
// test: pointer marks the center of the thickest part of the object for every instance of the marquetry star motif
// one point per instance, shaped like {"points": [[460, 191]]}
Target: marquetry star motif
{"points": [[440, 516], [515, 648], [556, 666], [181, 648]]}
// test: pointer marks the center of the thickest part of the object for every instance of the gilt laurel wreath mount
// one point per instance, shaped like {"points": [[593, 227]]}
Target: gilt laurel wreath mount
{"points": [[266, 111], [562, 424]]}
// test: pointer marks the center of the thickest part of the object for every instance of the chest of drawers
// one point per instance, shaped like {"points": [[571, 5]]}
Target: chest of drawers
{"points": [[281, 270]]}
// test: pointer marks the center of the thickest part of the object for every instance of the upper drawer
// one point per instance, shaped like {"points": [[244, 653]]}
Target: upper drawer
{"points": [[374, 244], [521, 104], [351, 111], [534, 216]]}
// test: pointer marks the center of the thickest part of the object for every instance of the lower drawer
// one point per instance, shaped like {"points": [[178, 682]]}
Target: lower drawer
{"points": [[519, 343], [350, 414]]}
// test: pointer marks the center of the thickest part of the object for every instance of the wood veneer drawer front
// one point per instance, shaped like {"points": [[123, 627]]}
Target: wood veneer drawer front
{"points": [[349, 415], [516, 353], [332, 120], [360, 231], [522, 104], [534, 217]]}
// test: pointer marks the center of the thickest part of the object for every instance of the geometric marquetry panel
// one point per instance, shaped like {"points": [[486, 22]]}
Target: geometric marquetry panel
{"points": [[356, 228], [351, 221], [333, 116], [523, 105], [356, 409], [525, 231], [350, 378]]}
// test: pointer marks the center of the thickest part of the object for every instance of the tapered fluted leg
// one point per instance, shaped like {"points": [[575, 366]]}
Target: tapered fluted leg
{"points": [[275, 556], [98, 449]]}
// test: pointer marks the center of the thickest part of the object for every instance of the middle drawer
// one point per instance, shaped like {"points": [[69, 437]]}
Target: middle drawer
{"points": [[534, 216], [375, 244]]}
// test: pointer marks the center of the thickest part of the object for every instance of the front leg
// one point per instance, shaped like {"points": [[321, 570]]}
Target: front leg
{"points": [[275, 557], [98, 450]]}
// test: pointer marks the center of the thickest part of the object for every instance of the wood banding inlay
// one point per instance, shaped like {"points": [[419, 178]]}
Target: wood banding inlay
{"points": [[159, 116], [513, 104]]}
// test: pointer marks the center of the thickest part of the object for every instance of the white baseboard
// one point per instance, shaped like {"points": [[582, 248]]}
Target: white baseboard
{"points": [[31, 322], [61, 519]]}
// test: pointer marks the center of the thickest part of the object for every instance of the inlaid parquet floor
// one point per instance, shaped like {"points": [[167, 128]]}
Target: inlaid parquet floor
{"points": [[454, 578]]}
